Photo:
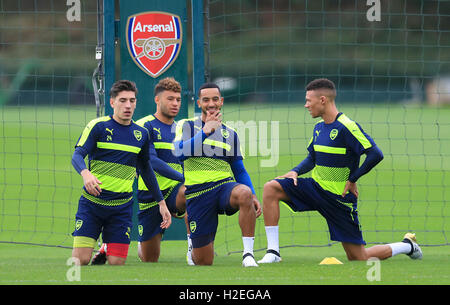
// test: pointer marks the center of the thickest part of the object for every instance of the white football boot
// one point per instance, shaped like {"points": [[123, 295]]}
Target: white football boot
{"points": [[248, 260], [271, 256], [416, 252]]}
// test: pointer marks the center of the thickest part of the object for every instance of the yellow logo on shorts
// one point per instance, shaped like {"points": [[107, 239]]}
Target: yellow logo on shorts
{"points": [[140, 229], [137, 134], [78, 224], [192, 226]]}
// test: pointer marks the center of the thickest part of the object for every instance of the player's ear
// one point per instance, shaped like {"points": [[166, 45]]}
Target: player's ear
{"points": [[111, 102], [323, 99]]}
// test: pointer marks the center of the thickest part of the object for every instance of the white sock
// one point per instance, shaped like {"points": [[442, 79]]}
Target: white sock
{"points": [[248, 244], [400, 248], [272, 238], [189, 240]]}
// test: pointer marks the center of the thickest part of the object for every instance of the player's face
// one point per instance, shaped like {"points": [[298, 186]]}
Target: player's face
{"points": [[124, 105], [169, 103], [314, 103], [210, 100]]}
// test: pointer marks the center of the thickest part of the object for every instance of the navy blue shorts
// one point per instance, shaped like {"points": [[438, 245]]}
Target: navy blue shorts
{"points": [[114, 222], [150, 219], [340, 212], [203, 212]]}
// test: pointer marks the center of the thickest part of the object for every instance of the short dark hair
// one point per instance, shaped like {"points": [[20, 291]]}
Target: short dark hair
{"points": [[122, 85], [207, 86], [167, 84], [321, 83]]}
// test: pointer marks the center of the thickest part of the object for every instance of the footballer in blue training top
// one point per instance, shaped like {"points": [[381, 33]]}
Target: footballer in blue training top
{"points": [[215, 178], [115, 147], [334, 152], [168, 169]]}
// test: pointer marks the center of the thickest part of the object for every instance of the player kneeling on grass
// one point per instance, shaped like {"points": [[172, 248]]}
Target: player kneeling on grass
{"points": [[215, 178], [116, 147], [334, 153], [168, 171]]}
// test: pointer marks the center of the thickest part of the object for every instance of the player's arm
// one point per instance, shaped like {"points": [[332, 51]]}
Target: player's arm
{"points": [[184, 143], [159, 165], [374, 155], [148, 176], [361, 143], [187, 145], [241, 175], [162, 167], [302, 168], [305, 166], [91, 183], [85, 145]]}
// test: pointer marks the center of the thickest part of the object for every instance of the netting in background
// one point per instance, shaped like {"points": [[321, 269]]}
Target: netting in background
{"points": [[46, 99], [392, 76]]}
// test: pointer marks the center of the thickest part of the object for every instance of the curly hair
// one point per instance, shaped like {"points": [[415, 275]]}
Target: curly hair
{"points": [[167, 84]]}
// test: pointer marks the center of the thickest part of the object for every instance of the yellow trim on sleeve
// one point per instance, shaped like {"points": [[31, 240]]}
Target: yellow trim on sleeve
{"points": [[355, 131], [141, 122], [88, 128]]}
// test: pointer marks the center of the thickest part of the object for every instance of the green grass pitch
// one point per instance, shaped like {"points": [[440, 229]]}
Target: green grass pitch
{"points": [[408, 191], [23, 264]]}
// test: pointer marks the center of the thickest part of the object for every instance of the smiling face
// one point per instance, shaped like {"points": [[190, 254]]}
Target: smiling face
{"points": [[210, 100], [124, 105]]}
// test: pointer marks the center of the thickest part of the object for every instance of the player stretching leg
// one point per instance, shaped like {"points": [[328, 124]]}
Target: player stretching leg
{"points": [[116, 147], [215, 178], [334, 152]]}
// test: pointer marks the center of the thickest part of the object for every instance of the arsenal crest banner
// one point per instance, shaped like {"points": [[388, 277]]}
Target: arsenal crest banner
{"points": [[154, 41]]}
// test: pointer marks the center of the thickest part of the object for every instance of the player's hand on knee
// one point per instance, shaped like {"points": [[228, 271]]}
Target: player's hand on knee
{"points": [[291, 175]]}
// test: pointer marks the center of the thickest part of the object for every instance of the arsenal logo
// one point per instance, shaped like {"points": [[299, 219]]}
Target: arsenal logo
{"points": [[137, 134], [154, 41]]}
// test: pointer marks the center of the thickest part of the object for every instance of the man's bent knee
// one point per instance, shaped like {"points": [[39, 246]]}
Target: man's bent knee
{"points": [[82, 256], [355, 252], [272, 187], [241, 196], [273, 190], [203, 256]]}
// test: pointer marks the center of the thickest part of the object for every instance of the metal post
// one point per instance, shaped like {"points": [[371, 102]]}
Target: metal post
{"points": [[109, 39], [198, 49]]}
